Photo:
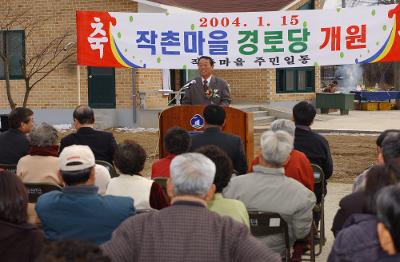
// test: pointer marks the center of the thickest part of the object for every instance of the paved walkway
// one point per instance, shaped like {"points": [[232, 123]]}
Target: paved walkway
{"points": [[372, 121], [336, 192]]}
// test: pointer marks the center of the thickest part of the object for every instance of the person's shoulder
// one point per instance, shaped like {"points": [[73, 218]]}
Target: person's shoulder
{"points": [[298, 188], [103, 133], [68, 137], [319, 137], [350, 200], [198, 80], [220, 80], [4, 134], [298, 154], [49, 198], [358, 228], [25, 159], [235, 203], [114, 182], [119, 200], [239, 180], [230, 136]]}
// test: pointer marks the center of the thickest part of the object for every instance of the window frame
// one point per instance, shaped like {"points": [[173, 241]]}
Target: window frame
{"points": [[4, 47], [281, 86]]}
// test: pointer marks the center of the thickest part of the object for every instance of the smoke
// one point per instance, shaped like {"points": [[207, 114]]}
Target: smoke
{"points": [[349, 77]]}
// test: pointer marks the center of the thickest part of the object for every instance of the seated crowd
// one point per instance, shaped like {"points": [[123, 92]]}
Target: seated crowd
{"points": [[201, 212]]}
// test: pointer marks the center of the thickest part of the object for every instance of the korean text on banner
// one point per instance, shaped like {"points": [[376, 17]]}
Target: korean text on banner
{"points": [[240, 40]]}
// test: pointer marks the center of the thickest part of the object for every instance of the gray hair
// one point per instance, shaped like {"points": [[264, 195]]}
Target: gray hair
{"points": [[276, 147], [283, 125], [43, 135], [192, 174]]}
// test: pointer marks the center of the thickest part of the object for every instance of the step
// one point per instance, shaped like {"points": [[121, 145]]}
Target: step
{"points": [[260, 113], [263, 120], [258, 129], [251, 109]]}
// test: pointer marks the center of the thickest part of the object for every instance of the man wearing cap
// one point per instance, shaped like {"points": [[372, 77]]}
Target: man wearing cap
{"points": [[77, 212]]}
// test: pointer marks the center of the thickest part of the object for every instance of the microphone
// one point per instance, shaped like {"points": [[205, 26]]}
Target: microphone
{"points": [[188, 84]]}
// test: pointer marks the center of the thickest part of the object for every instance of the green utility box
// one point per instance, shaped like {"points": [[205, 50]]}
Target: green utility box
{"points": [[341, 101]]}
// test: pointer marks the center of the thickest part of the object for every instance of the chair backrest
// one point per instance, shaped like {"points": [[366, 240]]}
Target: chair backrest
{"points": [[263, 223], [9, 167], [319, 176], [267, 223], [35, 190], [110, 167], [162, 181]]}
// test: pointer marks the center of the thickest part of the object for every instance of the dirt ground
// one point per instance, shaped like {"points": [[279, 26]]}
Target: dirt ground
{"points": [[351, 153]]}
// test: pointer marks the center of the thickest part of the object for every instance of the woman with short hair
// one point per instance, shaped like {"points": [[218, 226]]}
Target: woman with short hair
{"points": [[19, 241], [224, 169], [41, 163], [129, 159]]}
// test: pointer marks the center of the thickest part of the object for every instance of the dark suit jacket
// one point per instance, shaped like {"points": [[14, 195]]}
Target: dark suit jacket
{"points": [[316, 148], [231, 144], [195, 95], [186, 231], [101, 143], [13, 145]]}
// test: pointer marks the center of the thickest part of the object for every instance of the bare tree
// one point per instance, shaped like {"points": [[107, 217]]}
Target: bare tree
{"points": [[41, 59]]}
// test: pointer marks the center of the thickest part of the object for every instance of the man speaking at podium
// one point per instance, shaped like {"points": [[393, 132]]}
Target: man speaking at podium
{"points": [[207, 89]]}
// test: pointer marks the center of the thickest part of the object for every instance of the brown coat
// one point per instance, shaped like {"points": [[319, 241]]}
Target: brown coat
{"points": [[186, 231]]}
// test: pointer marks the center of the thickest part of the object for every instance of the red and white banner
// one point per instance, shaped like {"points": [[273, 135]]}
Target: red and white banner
{"points": [[240, 40]]}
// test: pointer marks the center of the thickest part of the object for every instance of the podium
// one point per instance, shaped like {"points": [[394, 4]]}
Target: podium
{"points": [[190, 117]]}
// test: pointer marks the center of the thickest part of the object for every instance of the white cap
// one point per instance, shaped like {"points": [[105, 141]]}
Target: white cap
{"points": [[76, 157]]}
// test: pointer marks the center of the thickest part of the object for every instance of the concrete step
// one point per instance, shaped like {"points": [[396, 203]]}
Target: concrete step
{"points": [[260, 113], [261, 128], [263, 120], [252, 109]]}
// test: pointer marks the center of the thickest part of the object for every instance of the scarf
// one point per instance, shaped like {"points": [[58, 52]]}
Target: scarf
{"points": [[44, 151]]}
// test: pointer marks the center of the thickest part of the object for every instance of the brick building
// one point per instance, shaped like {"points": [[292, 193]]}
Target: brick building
{"points": [[132, 98]]}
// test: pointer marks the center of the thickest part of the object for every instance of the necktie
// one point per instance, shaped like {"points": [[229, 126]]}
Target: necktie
{"points": [[205, 87]]}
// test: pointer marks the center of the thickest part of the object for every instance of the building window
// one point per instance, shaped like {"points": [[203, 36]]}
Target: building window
{"points": [[295, 80], [12, 45], [307, 6]]}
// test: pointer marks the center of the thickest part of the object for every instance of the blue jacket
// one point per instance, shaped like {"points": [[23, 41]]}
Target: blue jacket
{"points": [[78, 212]]}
